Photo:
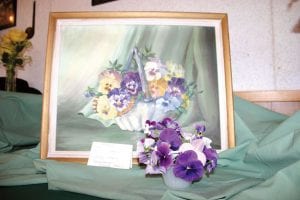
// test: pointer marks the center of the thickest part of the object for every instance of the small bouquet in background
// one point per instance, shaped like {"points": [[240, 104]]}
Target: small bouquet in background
{"points": [[12, 48], [166, 147], [12, 54]]}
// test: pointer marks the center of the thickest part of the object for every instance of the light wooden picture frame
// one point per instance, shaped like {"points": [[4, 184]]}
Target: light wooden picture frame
{"points": [[83, 46]]}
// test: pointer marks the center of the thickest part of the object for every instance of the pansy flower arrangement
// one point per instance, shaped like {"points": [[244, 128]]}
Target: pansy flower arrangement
{"points": [[166, 146], [148, 83]]}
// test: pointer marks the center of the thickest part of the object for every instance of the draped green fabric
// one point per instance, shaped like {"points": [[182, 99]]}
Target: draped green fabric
{"points": [[265, 164], [20, 116]]}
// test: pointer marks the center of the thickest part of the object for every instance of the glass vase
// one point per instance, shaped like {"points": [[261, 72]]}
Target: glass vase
{"points": [[10, 80], [174, 182]]}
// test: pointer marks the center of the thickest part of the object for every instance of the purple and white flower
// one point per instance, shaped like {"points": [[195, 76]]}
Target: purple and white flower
{"points": [[155, 70], [131, 83], [119, 98], [151, 129], [212, 156], [168, 103], [176, 87], [190, 158]]}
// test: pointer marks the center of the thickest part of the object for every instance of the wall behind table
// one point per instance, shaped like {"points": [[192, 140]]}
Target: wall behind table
{"points": [[264, 50]]}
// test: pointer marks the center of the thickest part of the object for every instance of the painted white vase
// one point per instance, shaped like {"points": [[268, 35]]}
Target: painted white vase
{"points": [[135, 119]]}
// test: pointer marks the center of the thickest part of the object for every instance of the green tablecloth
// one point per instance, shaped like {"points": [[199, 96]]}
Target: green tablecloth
{"points": [[264, 164]]}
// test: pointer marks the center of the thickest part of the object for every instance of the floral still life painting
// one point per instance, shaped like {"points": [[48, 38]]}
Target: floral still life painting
{"points": [[168, 150], [107, 73]]}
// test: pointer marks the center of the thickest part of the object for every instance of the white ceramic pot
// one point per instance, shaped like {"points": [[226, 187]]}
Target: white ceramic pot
{"points": [[174, 182]]}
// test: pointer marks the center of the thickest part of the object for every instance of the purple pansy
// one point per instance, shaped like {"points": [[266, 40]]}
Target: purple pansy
{"points": [[131, 83], [144, 149], [144, 157], [119, 99], [188, 167], [163, 154], [150, 129], [172, 137], [212, 156], [200, 128], [168, 123], [154, 167], [176, 87]]}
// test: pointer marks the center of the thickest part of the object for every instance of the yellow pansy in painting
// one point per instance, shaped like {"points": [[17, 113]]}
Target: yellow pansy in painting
{"points": [[107, 84], [174, 70], [185, 101], [108, 81], [104, 109], [158, 88]]}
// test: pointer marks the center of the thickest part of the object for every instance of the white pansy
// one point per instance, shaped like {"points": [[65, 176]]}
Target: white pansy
{"points": [[148, 142], [207, 142]]}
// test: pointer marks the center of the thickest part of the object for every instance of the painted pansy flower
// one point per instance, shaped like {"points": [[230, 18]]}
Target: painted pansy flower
{"points": [[131, 83], [109, 80], [154, 70], [168, 103], [120, 99], [104, 109], [176, 87], [158, 87], [174, 70]]}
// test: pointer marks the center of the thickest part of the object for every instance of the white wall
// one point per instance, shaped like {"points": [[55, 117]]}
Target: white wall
{"points": [[265, 53]]}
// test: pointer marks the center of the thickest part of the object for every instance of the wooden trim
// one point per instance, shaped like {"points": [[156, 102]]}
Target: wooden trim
{"points": [[270, 96], [228, 82]]}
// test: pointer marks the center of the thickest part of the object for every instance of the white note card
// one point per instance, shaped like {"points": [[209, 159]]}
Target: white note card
{"points": [[111, 155]]}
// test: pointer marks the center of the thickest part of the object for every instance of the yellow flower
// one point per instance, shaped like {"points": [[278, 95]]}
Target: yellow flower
{"points": [[104, 109], [158, 88], [174, 70], [107, 84], [186, 101], [7, 47], [13, 46], [16, 35], [109, 79]]}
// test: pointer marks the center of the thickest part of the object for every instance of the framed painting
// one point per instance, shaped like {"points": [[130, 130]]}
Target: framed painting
{"points": [[107, 73], [8, 13]]}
